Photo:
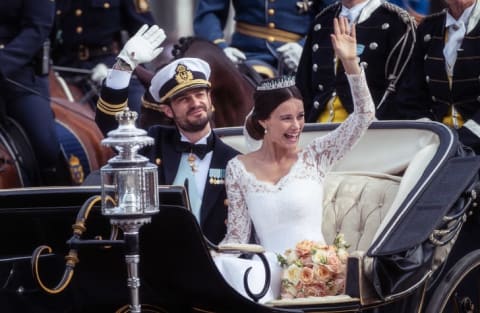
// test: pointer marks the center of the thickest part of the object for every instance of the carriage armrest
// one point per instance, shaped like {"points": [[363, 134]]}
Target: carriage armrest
{"points": [[238, 247], [357, 285]]}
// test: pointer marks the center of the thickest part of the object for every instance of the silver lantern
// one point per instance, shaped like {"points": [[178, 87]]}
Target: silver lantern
{"points": [[131, 181]]}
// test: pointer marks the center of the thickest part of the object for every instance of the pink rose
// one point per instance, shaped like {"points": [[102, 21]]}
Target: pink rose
{"points": [[322, 273], [304, 247], [306, 275], [315, 290]]}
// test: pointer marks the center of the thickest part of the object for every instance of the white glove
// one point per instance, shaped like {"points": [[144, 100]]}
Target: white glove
{"points": [[290, 54], [143, 47], [235, 55], [99, 72]]}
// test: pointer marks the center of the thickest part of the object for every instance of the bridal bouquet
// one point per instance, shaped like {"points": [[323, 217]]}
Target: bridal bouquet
{"points": [[313, 269]]}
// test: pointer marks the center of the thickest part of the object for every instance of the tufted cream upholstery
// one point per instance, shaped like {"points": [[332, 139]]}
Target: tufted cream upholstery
{"points": [[355, 205]]}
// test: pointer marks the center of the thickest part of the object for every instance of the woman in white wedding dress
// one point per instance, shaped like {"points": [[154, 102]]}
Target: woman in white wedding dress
{"points": [[278, 189]]}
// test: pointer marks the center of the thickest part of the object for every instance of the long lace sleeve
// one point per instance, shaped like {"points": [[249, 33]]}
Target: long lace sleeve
{"points": [[239, 224], [332, 147]]}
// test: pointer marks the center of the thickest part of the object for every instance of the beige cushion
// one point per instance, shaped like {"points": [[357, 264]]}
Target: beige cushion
{"points": [[355, 205]]}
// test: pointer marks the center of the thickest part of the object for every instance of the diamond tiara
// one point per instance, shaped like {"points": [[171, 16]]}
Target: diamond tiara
{"points": [[277, 83]]}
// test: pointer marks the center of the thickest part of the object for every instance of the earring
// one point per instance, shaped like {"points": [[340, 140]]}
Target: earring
{"points": [[266, 131]]}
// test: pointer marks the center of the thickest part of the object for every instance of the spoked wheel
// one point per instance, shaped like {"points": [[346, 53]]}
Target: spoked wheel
{"points": [[459, 290]]}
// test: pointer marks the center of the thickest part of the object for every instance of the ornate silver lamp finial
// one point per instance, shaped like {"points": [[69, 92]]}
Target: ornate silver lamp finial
{"points": [[132, 181]]}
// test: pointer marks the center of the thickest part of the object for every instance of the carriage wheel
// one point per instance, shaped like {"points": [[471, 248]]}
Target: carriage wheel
{"points": [[459, 290]]}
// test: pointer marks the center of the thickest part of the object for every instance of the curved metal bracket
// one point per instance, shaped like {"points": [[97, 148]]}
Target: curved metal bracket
{"points": [[72, 257], [258, 296]]}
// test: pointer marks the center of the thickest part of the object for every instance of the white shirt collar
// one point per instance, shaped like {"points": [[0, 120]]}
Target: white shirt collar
{"points": [[354, 11], [450, 20], [202, 140]]}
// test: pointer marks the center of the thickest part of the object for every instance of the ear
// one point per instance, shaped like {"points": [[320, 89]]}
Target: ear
{"points": [[168, 111], [209, 97], [263, 123]]}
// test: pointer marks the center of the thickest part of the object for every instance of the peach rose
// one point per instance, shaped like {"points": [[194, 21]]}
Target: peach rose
{"points": [[306, 276], [315, 290], [304, 247], [322, 273], [334, 264]]}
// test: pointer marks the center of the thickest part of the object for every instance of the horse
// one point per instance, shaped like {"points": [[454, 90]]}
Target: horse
{"points": [[232, 89], [78, 134]]}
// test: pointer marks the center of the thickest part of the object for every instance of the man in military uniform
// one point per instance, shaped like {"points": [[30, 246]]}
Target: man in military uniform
{"points": [[269, 32], [89, 34], [385, 39], [443, 81], [24, 90], [189, 153]]}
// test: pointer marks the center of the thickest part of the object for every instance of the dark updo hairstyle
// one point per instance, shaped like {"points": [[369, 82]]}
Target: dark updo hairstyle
{"points": [[266, 98]]}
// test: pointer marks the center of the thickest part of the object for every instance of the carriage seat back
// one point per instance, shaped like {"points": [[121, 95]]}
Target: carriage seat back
{"points": [[355, 204]]}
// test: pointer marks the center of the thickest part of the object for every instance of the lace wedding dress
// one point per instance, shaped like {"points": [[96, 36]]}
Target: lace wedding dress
{"points": [[290, 210]]}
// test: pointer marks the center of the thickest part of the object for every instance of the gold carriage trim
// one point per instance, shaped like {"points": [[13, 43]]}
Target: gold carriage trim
{"points": [[109, 108], [270, 34], [187, 84]]}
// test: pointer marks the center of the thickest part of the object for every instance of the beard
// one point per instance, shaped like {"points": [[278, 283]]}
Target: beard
{"points": [[196, 125]]}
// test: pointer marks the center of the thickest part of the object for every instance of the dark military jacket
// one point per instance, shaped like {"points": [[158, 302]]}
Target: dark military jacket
{"points": [[382, 30], [211, 18], [24, 27], [86, 29], [426, 92], [213, 211]]}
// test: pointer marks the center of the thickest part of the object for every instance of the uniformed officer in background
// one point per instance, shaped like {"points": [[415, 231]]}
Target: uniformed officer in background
{"points": [[385, 39], [24, 89], [443, 81], [88, 34], [270, 32]]}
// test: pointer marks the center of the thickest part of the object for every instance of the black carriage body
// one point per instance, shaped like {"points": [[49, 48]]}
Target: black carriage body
{"points": [[432, 175]]}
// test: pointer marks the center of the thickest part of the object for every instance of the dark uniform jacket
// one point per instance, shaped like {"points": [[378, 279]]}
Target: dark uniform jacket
{"points": [[213, 211], [24, 27], [380, 28], [425, 91], [90, 29], [211, 18]]}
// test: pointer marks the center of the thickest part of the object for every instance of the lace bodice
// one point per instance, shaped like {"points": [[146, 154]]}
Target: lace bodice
{"points": [[291, 209]]}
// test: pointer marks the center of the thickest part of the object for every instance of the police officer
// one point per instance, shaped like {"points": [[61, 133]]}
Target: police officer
{"points": [[385, 39], [271, 32], [89, 34], [443, 81], [24, 90]]}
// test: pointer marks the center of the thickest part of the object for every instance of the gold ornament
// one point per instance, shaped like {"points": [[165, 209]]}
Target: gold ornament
{"points": [[191, 161]]}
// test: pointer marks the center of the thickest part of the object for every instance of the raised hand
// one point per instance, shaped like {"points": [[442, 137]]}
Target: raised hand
{"points": [[143, 47], [344, 42]]}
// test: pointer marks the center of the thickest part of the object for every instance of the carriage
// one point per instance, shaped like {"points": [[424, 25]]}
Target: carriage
{"points": [[405, 198]]}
